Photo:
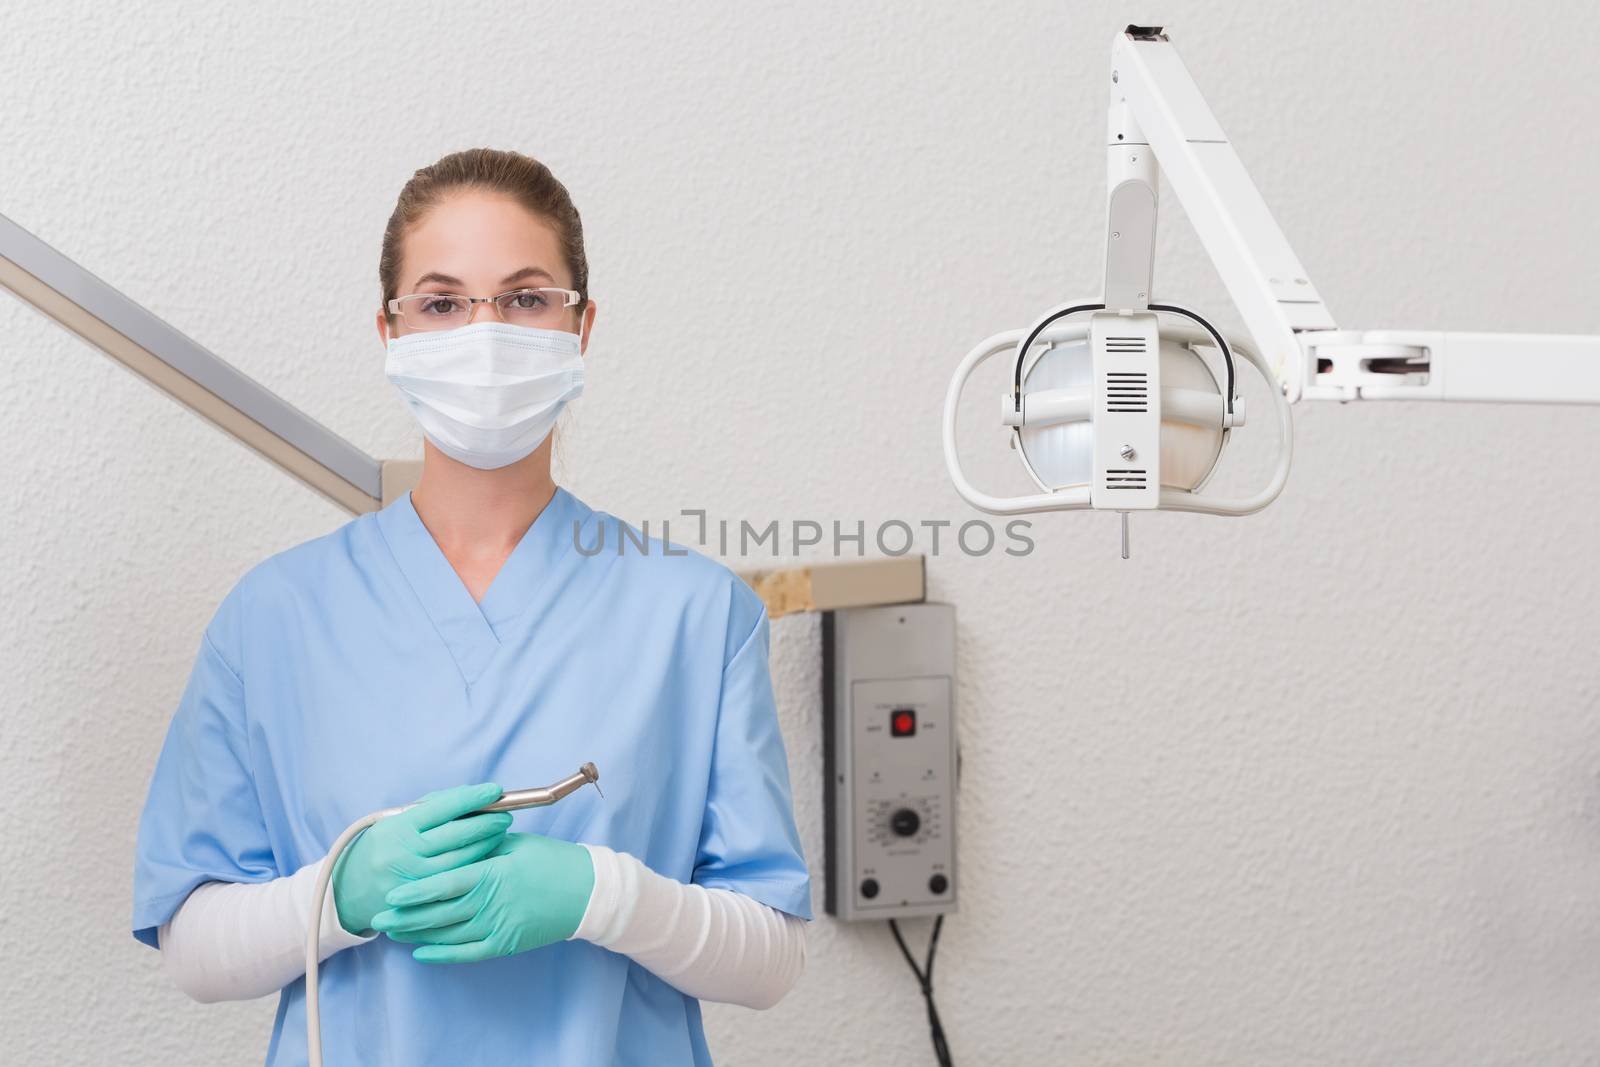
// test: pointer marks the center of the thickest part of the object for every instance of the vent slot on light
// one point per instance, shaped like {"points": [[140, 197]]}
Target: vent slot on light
{"points": [[1124, 478], [1127, 391], [1131, 345]]}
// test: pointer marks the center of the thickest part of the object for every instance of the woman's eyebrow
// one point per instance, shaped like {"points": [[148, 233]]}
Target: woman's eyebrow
{"points": [[527, 272], [445, 279], [435, 276]]}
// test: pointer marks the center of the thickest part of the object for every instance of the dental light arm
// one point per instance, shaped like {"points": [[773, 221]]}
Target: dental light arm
{"points": [[1159, 115], [1123, 413], [67, 293]]}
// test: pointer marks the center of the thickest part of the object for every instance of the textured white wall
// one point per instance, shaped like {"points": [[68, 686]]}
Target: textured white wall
{"points": [[1320, 786]]}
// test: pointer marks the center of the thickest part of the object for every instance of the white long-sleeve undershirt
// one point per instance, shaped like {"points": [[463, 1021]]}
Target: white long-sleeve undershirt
{"points": [[238, 941], [242, 940], [710, 943]]}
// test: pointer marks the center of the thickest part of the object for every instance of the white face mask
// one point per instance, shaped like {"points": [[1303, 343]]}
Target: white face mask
{"points": [[487, 393]]}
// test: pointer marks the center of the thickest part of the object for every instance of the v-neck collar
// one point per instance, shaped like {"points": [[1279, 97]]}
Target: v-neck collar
{"points": [[473, 630]]}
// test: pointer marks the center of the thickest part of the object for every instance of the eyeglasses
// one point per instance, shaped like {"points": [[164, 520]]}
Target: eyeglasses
{"points": [[543, 308]]}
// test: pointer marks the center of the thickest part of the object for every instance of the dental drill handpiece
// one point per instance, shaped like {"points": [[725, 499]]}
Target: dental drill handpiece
{"points": [[518, 799], [515, 800]]}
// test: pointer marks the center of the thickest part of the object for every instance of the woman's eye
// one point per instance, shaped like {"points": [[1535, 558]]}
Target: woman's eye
{"points": [[530, 301], [442, 306]]}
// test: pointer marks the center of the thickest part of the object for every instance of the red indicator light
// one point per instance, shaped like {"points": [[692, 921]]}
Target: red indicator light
{"points": [[902, 722]]}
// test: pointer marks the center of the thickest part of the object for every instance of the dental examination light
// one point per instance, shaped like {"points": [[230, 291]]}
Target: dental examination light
{"points": [[1123, 404], [515, 800]]}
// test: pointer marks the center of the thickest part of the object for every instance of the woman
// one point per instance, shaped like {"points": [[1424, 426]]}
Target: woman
{"points": [[470, 633]]}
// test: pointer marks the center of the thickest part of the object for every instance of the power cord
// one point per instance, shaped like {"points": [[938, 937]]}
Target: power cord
{"points": [[941, 1048]]}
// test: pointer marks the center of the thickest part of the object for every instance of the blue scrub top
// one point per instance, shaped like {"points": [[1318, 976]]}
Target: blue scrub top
{"points": [[356, 671]]}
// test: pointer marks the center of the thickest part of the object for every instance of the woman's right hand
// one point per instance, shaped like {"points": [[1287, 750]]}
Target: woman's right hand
{"points": [[425, 839]]}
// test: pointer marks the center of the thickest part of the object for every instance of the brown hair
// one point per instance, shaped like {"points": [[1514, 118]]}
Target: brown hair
{"points": [[512, 174]]}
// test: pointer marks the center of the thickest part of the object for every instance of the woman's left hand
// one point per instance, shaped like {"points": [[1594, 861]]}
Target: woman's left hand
{"points": [[530, 892]]}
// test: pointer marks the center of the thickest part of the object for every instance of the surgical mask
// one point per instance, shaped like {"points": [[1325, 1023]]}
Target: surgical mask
{"points": [[487, 393]]}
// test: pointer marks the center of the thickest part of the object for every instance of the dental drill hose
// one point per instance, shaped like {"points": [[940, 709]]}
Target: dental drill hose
{"points": [[512, 801]]}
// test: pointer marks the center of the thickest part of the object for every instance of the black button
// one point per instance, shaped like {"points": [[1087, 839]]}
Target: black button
{"points": [[905, 822], [869, 888], [938, 884]]}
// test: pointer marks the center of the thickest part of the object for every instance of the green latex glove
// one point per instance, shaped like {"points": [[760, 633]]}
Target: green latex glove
{"points": [[531, 892], [423, 840]]}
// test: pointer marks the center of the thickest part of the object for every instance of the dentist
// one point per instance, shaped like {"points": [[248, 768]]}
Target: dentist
{"points": [[460, 636]]}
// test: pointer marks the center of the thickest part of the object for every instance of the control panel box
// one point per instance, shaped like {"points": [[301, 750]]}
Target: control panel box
{"points": [[889, 761]]}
